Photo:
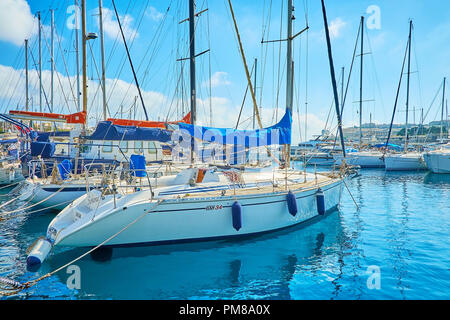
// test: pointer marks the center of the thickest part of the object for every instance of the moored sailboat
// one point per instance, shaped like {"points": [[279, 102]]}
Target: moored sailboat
{"points": [[201, 204]]}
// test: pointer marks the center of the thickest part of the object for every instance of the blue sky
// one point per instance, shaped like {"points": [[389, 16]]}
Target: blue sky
{"points": [[160, 40]]}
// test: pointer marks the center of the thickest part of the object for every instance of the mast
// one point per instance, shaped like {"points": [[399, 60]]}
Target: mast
{"points": [[129, 59], [26, 76], [77, 52], [361, 83], [289, 73], [289, 91], [192, 60], [254, 84], [52, 53], [102, 48], [407, 85], [84, 39], [249, 81], [333, 78], [441, 136], [40, 62], [342, 89]]}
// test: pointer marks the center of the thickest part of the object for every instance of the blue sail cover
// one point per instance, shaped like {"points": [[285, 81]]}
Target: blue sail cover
{"points": [[278, 134], [111, 132]]}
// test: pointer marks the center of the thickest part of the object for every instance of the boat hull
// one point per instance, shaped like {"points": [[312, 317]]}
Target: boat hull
{"points": [[404, 163], [361, 160], [438, 162], [56, 197], [199, 219]]}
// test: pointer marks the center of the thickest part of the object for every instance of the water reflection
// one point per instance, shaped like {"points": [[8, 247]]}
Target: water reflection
{"points": [[437, 179]]}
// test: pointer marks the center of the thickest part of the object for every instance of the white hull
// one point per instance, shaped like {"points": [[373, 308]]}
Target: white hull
{"points": [[362, 159], [438, 162], [405, 162], [185, 220], [53, 196]]}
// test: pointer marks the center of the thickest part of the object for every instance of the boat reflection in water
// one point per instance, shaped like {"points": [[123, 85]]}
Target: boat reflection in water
{"points": [[436, 178], [256, 268]]}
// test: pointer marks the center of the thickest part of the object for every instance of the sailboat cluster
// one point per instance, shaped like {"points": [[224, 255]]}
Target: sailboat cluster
{"points": [[130, 182]]}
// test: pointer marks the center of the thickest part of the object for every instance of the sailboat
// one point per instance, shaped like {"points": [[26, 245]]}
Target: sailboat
{"points": [[406, 161], [105, 149], [200, 204], [362, 158], [438, 161]]}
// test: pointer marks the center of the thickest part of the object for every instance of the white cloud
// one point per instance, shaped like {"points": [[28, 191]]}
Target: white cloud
{"points": [[111, 26], [218, 79], [154, 14], [16, 21], [336, 27]]}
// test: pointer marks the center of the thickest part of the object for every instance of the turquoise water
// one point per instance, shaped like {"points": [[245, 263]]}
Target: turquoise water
{"points": [[402, 227]]}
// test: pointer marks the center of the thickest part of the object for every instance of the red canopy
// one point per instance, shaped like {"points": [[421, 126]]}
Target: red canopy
{"points": [[148, 124], [79, 117]]}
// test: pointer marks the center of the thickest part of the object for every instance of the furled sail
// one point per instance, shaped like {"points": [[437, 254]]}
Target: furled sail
{"points": [[147, 124], [79, 117], [108, 131], [277, 134]]}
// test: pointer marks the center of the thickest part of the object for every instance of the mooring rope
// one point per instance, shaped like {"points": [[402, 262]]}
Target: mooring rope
{"points": [[33, 205], [6, 217], [17, 287]]}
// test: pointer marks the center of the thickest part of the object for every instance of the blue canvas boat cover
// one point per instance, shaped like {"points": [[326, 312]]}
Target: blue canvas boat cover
{"points": [[389, 146], [278, 134], [111, 132]]}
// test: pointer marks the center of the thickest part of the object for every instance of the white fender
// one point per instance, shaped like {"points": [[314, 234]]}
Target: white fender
{"points": [[39, 252]]}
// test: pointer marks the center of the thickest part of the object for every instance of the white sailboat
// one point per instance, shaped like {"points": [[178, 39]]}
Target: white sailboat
{"points": [[363, 159], [438, 161], [199, 204], [407, 161]]}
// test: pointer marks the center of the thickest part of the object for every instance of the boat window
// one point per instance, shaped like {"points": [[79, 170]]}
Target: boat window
{"points": [[123, 146], [138, 146], [151, 147], [107, 146]]}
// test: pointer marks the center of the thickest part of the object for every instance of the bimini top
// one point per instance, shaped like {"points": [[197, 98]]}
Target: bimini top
{"points": [[278, 134], [148, 124], [108, 131]]}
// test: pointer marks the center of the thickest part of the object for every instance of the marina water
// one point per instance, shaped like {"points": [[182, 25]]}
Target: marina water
{"points": [[396, 246]]}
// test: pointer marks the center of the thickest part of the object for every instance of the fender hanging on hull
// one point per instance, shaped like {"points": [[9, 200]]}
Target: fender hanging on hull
{"points": [[320, 198], [292, 203], [236, 211]]}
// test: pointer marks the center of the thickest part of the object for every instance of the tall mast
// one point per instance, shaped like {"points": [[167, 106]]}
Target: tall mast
{"points": [[192, 60], [333, 77], [52, 49], [289, 73], [407, 85], [26, 75], [342, 88], [84, 39], [254, 85], [441, 136], [40, 62], [289, 91], [102, 45], [77, 52], [361, 83]]}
